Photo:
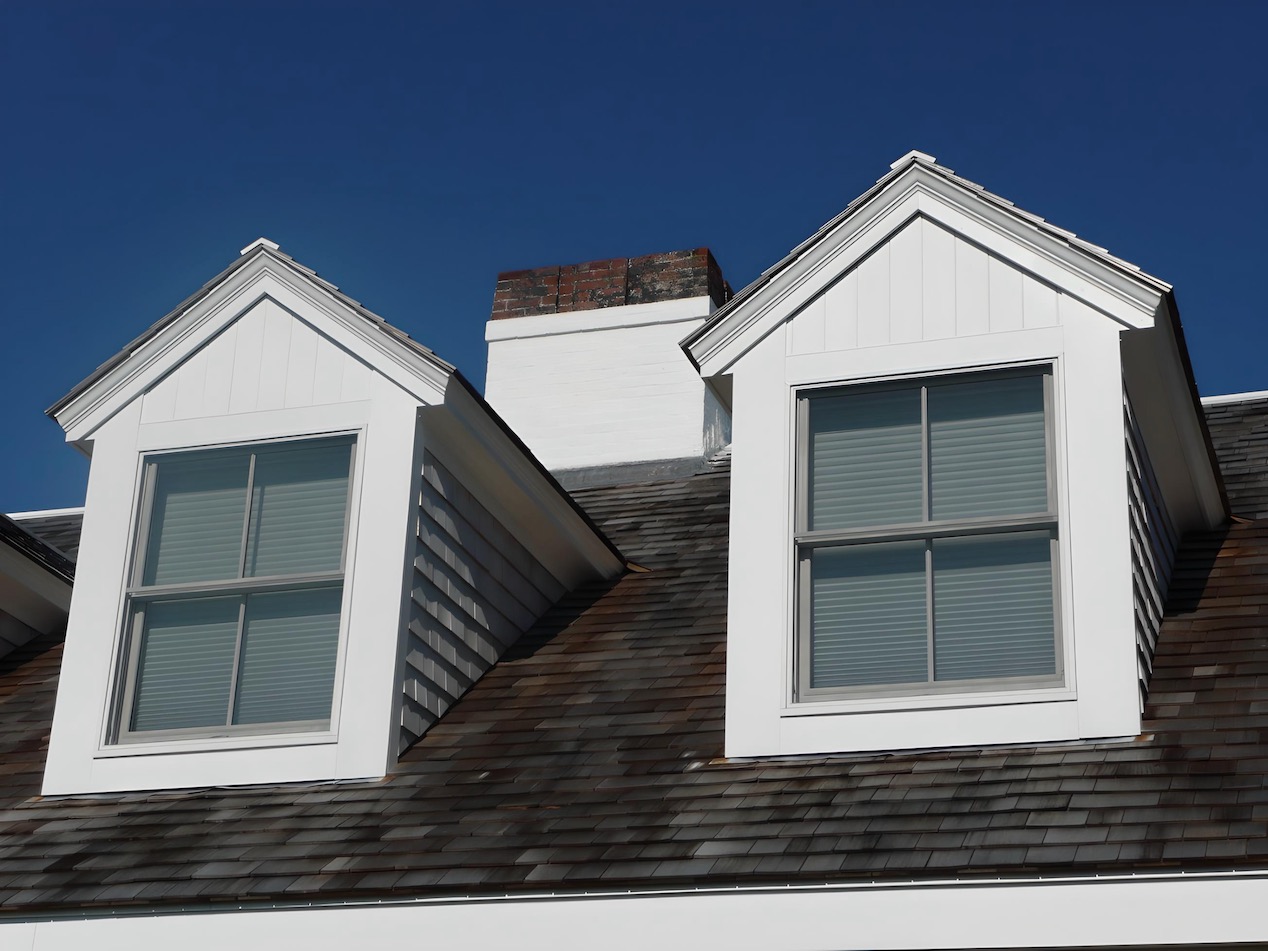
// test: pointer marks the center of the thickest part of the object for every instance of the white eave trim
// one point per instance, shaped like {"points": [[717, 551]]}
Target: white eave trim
{"points": [[1227, 398], [46, 513], [603, 318], [1125, 295], [266, 275], [1107, 910]]}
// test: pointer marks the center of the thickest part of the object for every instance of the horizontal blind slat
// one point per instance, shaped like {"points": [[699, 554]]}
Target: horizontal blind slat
{"points": [[987, 448], [298, 507], [289, 650], [196, 520], [865, 458], [868, 622], [992, 606], [186, 664]]}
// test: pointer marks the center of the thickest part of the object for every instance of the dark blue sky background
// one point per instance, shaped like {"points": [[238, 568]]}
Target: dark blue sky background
{"points": [[408, 152]]}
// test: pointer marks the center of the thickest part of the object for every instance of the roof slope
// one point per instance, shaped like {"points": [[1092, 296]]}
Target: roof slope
{"points": [[27, 542], [261, 248], [59, 529], [1239, 433], [1043, 238], [587, 758]]}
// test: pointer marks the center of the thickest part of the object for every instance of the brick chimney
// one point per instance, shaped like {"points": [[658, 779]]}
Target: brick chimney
{"points": [[584, 362], [617, 282]]}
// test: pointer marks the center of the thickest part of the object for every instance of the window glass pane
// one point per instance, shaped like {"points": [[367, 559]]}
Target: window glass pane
{"points": [[288, 656], [298, 503], [865, 459], [986, 448], [868, 622], [992, 606], [186, 664], [196, 518]]}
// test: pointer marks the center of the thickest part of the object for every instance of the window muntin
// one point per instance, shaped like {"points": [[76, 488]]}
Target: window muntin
{"points": [[234, 610], [926, 536]]}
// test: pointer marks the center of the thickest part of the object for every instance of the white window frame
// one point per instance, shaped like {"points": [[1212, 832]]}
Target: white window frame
{"points": [[806, 541], [118, 738]]}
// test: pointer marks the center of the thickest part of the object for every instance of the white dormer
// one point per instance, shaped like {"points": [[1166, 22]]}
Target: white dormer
{"points": [[964, 445], [291, 513]]}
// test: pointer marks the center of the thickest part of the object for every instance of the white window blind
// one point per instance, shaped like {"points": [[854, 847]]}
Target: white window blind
{"points": [[235, 614], [927, 534]]}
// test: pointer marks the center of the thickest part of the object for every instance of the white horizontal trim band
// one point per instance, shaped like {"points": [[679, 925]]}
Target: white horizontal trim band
{"points": [[602, 318], [47, 513], [1235, 398]]}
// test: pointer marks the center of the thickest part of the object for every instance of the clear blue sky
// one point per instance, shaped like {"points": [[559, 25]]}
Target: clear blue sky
{"points": [[408, 152]]}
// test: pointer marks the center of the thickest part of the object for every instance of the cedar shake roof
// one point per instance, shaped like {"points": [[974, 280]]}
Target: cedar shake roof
{"points": [[60, 530], [1239, 432], [590, 758], [36, 547]]}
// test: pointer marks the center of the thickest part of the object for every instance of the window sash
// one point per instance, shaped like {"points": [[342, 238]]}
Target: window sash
{"points": [[245, 589], [809, 540]]}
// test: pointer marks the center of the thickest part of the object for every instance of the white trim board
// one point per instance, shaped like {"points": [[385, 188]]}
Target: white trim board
{"points": [[1127, 296], [603, 318], [46, 513], [1227, 398], [1203, 909]]}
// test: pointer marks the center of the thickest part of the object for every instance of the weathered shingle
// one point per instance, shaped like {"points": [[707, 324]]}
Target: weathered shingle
{"points": [[61, 530], [591, 756], [1239, 433]]}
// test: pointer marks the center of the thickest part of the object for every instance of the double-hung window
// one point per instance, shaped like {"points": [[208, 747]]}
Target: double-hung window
{"points": [[233, 612], [926, 536]]}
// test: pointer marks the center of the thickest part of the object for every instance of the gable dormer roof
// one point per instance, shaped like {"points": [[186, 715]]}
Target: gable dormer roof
{"points": [[917, 186], [162, 345]]}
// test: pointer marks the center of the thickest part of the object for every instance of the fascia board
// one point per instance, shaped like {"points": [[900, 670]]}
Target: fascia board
{"points": [[1129, 297], [265, 276], [600, 319], [477, 421]]}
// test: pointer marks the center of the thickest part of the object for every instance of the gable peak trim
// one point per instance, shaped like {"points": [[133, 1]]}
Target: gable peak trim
{"points": [[1110, 285], [260, 242], [915, 155]]}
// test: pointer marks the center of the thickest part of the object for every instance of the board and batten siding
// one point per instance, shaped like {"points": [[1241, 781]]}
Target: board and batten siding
{"points": [[1153, 546], [961, 291], [267, 359], [475, 591]]}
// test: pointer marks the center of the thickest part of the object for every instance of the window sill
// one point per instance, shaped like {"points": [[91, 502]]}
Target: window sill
{"points": [[938, 701], [215, 744]]}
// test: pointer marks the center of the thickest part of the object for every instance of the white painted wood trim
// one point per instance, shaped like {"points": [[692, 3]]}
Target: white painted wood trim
{"points": [[263, 277], [1129, 298], [603, 318], [1174, 910], [1227, 398]]}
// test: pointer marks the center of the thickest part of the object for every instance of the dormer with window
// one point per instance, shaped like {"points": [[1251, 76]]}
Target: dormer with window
{"points": [[305, 536], [964, 445]]}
